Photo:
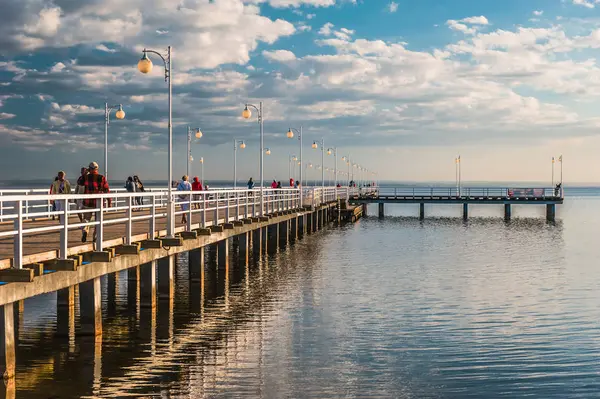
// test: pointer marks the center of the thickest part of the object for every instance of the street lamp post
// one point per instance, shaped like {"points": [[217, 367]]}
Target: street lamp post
{"points": [[315, 145], [291, 159], [189, 147], [242, 145], [145, 66], [202, 170], [120, 114], [246, 114], [290, 134], [329, 152], [346, 159]]}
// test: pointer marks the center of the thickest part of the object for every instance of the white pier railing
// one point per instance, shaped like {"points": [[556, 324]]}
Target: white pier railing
{"points": [[26, 217]]}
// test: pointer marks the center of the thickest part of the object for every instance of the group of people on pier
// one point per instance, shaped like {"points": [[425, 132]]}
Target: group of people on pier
{"points": [[89, 182]]}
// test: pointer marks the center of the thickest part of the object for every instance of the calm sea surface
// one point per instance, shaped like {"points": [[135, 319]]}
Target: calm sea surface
{"points": [[382, 308]]}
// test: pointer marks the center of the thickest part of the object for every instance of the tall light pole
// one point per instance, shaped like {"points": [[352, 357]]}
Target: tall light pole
{"points": [[202, 170], [198, 135], [315, 145], [334, 151], [145, 66], [120, 114], [290, 135], [242, 145], [246, 114], [552, 171], [291, 159], [346, 159]]}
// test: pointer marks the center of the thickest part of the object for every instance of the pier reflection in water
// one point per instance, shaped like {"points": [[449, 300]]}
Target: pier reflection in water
{"points": [[395, 307]]}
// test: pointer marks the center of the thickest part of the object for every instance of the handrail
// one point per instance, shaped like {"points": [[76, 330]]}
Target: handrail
{"points": [[197, 208]]}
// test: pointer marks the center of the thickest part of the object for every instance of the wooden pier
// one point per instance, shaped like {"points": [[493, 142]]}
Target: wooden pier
{"points": [[507, 197], [42, 256]]}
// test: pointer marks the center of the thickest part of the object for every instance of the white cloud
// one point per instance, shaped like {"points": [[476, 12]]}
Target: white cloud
{"points": [[102, 47], [480, 20], [457, 26], [5, 115], [586, 3], [392, 7], [538, 13], [58, 67], [279, 55], [326, 29]]}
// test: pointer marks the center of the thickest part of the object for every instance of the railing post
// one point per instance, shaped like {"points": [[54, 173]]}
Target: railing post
{"points": [[152, 219], [227, 204], [216, 218], [253, 203], [237, 206], [18, 242], [128, 223], [203, 210], [100, 228], [64, 233], [189, 219], [26, 203], [246, 203]]}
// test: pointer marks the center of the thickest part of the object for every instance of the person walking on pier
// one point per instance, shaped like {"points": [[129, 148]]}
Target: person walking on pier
{"points": [[139, 188], [131, 188], [196, 186], [52, 202], [250, 184], [274, 184], [80, 189], [95, 183], [184, 185], [60, 186]]}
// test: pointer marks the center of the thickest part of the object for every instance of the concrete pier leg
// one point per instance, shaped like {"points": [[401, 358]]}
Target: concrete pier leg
{"points": [[315, 221], [148, 285], [265, 239], [90, 307], [133, 287], [294, 229], [65, 312], [465, 211], [257, 241], [283, 233], [223, 255], [421, 211], [243, 245], [309, 223], [7, 341], [166, 277], [381, 210], [550, 212], [273, 232], [507, 212], [196, 264], [112, 291]]}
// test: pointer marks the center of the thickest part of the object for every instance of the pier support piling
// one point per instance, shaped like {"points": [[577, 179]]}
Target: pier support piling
{"points": [[550, 212], [65, 312], [90, 307], [7, 341], [257, 241], [148, 285], [196, 264], [223, 253], [465, 211], [243, 245], [381, 210], [294, 229], [283, 234], [421, 211], [507, 212], [166, 277], [273, 240]]}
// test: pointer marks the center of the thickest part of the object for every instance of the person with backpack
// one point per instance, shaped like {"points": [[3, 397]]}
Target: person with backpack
{"points": [[60, 186], [94, 183]]}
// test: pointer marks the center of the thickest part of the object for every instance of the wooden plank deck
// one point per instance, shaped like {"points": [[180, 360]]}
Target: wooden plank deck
{"points": [[39, 247]]}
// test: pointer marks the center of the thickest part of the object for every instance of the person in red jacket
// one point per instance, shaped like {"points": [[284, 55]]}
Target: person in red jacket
{"points": [[95, 183], [274, 184], [196, 186]]}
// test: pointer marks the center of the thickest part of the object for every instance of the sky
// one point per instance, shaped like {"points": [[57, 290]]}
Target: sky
{"points": [[401, 87]]}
